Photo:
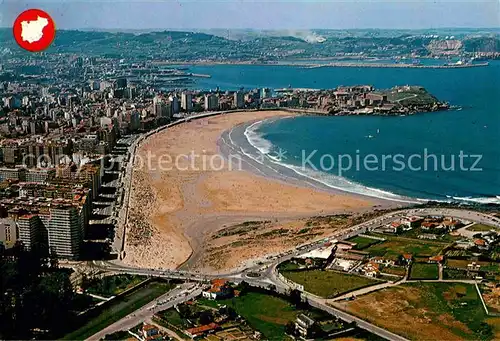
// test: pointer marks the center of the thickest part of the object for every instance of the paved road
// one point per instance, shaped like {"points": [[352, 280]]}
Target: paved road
{"points": [[322, 304], [173, 297], [266, 270], [365, 291], [381, 286], [465, 281]]}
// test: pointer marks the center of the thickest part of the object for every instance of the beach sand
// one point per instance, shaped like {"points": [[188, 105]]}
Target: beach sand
{"points": [[174, 210]]}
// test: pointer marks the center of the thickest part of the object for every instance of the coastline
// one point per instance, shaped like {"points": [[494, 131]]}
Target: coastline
{"points": [[173, 213], [316, 65], [235, 142]]}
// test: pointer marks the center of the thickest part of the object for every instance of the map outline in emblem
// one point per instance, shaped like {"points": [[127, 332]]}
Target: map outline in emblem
{"points": [[34, 30]]}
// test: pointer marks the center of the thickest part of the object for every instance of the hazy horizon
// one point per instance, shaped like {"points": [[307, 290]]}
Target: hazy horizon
{"points": [[156, 15]]}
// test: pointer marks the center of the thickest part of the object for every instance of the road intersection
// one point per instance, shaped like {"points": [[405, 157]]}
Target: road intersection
{"points": [[264, 274]]}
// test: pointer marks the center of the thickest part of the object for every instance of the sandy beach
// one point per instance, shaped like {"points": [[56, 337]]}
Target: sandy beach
{"points": [[175, 210]]}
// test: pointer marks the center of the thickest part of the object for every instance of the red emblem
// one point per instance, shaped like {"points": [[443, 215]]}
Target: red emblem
{"points": [[34, 30]]}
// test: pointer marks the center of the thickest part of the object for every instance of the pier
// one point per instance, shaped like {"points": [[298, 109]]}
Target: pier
{"points": [[387, 65]]}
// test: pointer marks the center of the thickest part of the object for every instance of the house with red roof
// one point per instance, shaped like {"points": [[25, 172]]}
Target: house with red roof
{"points": [[436, 259], [220, 289], [407, 258], [201, 330]]}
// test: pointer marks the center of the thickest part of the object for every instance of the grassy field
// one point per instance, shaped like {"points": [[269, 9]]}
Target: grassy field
{"points": [[481, 228], [113, 285], [462, 264], [328, 283], [120, 335], [363, 242], [443, 237], [455, 274], [395, 246], [394, 270], [286, 266], [424, 271], [266, 313], [121, 308], [173, 317], [424, 311]]}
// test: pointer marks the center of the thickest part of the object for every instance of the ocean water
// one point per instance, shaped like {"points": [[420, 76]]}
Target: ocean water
{"points": [[442, 138]]}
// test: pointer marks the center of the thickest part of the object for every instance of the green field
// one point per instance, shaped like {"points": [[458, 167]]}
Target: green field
{"points": [[173, 317], [120, 335], [462, 264], [424, 271], [121, 308], [413, 96], [394, 270], [328, 283], [113, 285], [363, 242], [288, 265], [393, 247], [427, 311], [481, 228], [266, 313], [455, 274], [440, 237]]}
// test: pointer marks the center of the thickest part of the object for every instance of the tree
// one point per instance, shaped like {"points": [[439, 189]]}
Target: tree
{"points": [[229, 312], [484, 330], [244, 287], [290, 328], [296, 297], [206, 317], [184, 311], [34, 295]]}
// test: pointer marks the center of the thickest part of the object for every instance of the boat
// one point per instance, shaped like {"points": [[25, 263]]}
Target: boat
{"points": [[479, 59]]}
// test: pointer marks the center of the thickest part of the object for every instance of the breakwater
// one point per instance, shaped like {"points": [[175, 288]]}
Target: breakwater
{"points": [[388, 65]]}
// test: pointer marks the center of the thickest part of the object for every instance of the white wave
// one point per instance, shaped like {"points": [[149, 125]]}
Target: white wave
{"points": [[480, 200], [274, 158], [343, 184], [256, 140], [265, 147], [238, 148], [421, 200]]}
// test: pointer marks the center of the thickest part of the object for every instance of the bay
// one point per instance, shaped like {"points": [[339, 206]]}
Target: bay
{"points": [[472, 130]]}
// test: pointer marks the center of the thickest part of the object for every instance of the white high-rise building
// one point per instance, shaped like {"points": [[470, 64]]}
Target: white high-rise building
{"points": [[211, 102], [239, 100], [174, 103], [187, 101]]}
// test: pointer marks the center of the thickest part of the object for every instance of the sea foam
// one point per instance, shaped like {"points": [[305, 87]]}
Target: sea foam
{"points": [[263, 151]]}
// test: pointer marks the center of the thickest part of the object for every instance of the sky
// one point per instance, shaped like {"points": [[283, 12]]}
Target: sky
{"points": [[259, 14]]}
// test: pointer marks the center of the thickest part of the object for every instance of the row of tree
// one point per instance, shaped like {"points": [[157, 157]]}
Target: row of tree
{"points": [[36, 296]]}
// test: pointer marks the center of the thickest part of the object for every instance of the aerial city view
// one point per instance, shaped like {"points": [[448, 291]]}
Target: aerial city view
{"points": [[249, 170]]}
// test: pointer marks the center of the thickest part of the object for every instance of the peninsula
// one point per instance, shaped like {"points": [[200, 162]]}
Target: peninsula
{"points": [[359, 100]]}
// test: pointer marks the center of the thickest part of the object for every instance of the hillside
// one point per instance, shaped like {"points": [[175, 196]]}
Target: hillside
{"points": [[269, 46]]}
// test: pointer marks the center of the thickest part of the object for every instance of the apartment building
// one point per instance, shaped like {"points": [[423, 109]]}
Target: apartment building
{"points": [[29, 229], [12, 173], [65, 230], [187, 101], [211, 102], [8, 231], [40, 175], [58, 225]]}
